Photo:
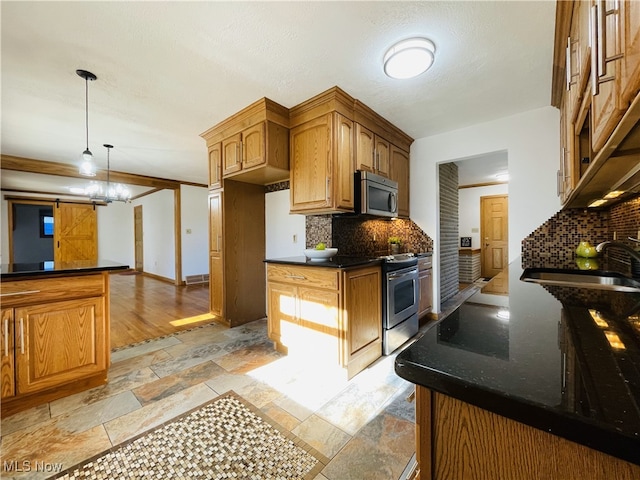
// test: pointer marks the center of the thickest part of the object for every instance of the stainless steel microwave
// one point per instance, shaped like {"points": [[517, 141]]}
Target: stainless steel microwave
{"points": [[375, 195]]}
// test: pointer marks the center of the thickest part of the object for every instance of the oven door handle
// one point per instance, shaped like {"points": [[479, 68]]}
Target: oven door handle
{"points": [[396, 275]]}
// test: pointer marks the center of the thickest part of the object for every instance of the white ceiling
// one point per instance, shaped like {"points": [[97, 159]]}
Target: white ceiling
{"points": [[168, 71]]}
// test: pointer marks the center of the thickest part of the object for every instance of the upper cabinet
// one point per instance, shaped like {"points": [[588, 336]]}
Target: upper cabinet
{"points": [[251, 146], [332, 136], [400, 173], [596, 84]]}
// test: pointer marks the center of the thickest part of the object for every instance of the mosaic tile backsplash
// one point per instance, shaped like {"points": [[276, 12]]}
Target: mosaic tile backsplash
{"points": [[553, 244], [367, 236]]}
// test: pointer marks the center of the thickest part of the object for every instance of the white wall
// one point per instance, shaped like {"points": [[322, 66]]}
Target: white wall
{"points": [[281, 226], [469, 209], [115, 233], [532, 142], [195, 230]]}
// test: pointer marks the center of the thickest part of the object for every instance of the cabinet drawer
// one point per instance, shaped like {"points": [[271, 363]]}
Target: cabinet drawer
{"points": [[27, 292], [312, 276], [424, 263]]}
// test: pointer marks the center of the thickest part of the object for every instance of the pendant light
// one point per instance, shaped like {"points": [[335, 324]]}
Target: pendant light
{"points": [[87, 164]]}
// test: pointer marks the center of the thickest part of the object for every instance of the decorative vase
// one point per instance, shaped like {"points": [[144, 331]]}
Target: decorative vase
{"points": [[586, 250], [395, 248]]}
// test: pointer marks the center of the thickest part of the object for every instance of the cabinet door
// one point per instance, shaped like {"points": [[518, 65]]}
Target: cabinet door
{"points": [[310, 165], [62, 342], [215, 254], [363, 307], [231, 155], [7, 387], [215, 166], [365, 149], [400, 173], [382, 157], [318, 332], [343, 163], [282, 301], [253, 146], [606, 105], [630, 32], [426, 292], [216, 285]]}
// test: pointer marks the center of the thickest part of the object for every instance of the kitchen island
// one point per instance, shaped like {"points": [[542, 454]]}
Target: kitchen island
{"points": [[329, 312], [55, 330], [541, 382]]}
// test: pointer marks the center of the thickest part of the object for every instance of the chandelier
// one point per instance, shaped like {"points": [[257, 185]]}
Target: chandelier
{"points": [[111, 192]]}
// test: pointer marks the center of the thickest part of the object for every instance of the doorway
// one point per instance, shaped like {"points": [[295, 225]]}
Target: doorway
{"points": [[494, 232], [31, 232]]}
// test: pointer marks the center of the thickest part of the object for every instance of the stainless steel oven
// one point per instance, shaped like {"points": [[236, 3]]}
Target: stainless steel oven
{"points": [[401, 297]]}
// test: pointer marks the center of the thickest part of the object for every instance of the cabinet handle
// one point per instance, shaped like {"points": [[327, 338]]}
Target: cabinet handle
{"points": [[21, 336], [217, 243], [568, 62], [241, 152], [327, 189], [594, 47], [297, 277], [6, 337], [26, 292]]}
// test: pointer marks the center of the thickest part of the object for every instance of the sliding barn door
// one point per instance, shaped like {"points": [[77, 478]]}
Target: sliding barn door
{"points": [[75, 232]]}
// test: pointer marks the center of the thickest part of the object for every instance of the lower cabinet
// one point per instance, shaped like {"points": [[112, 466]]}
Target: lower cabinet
{"points": [[53, 347], [457, 440], [329, 315], [425, 275]]}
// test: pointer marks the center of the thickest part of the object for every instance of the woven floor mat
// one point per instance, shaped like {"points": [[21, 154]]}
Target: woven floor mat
{"points": [[224, 438]]}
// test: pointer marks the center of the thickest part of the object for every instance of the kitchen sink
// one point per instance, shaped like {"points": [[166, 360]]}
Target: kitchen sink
{"points": [[596, 279]]}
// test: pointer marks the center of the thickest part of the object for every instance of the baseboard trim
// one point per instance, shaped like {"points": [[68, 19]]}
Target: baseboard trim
{"points": [[159, 277]]}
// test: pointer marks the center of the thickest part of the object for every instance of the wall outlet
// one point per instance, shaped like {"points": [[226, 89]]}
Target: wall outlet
{"points": [[615, 235], [475, 230], [188, 231]]}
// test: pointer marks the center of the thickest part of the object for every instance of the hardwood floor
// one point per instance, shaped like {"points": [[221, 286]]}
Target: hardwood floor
{"points": [[143, 308]]}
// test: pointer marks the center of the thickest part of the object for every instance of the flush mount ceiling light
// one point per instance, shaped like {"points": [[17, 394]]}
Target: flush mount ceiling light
{"points": [[87, 165], [409, 58]]}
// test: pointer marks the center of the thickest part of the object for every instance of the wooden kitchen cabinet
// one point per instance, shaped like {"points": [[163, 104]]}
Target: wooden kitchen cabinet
{"points": [[596, 85], [254, 144], [55, 338], [236, 253], [215, 166], [425, 276], [7, 371], [400, 173], [372, 152], [329, 315], [322, 165], [457, 440], [630, 37]]}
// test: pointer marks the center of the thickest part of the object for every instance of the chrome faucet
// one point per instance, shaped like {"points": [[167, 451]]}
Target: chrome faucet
{"points": [[608, 244]]}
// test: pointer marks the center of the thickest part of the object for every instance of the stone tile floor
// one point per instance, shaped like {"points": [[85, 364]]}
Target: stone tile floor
{"points": [[365, 425]]}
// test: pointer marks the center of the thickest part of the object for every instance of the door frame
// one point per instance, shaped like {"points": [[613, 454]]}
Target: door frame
{"points": [[483, 267], [137, 209]]}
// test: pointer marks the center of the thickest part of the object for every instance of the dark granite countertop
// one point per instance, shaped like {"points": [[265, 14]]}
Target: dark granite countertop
{"points": [[562, 359], [10, 271], [339, 261]]}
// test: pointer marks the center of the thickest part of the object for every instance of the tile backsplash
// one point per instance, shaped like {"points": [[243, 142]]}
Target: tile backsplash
{"points": [[553, 244], [363, 235]]}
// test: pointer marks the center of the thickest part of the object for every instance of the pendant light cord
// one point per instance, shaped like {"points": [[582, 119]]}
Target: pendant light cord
{"points": [[86, 109]]}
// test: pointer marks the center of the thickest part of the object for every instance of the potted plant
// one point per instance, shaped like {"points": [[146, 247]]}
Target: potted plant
{"points": [[394, 244]]}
